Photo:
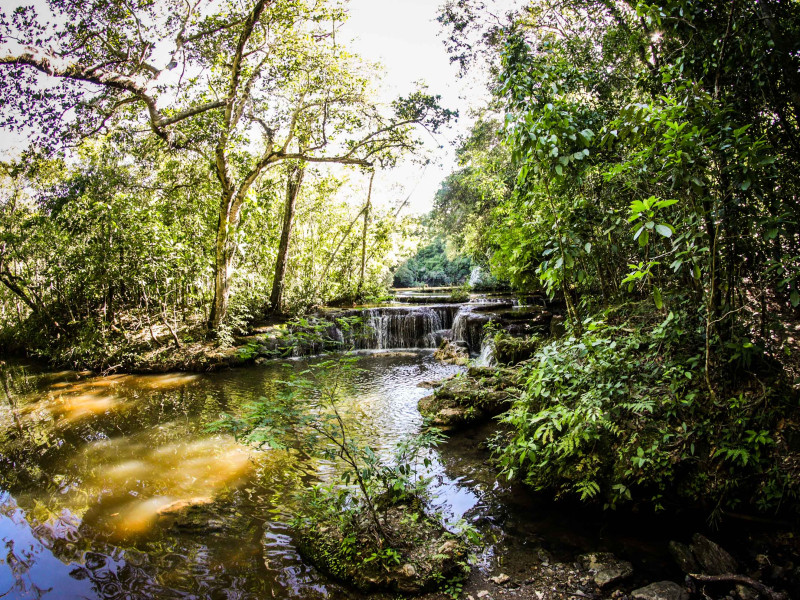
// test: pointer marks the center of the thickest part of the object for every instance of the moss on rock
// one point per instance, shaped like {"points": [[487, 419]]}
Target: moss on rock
{"points": [[420, 555], [471, 399]]}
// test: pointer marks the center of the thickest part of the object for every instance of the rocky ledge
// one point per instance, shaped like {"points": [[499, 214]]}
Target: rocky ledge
{"points": [[471, 398], [418, 555]]}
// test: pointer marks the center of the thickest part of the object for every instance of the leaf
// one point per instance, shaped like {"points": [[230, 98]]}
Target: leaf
{"points": [[588, 247], [559, 170], [657, 298], [795, 298], [664, 230]]}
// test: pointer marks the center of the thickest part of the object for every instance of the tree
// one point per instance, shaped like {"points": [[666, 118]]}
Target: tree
{"points": [[248, 86]]}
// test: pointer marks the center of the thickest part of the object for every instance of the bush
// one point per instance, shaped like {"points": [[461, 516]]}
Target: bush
{"points": [[622, 413]]}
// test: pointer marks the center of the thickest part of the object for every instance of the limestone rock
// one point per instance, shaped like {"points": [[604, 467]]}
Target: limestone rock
{"points": [[607, 569], [449, 548], [684, 557], [501, 579], [713, 559], [661, 590]]}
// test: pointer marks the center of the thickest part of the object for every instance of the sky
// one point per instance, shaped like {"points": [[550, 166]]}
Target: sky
{"points": [[404, 37]]}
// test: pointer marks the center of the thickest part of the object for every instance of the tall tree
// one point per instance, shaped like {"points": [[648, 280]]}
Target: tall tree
{"points": [[244, 85], [294, 180]]}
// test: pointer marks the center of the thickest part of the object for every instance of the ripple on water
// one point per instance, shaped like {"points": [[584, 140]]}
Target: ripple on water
{"points": [[110, 466]]}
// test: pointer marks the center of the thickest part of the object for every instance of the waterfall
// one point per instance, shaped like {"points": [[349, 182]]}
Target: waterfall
{"points": [[401, 327], [486, 357], [404, 327], [468, 328]]}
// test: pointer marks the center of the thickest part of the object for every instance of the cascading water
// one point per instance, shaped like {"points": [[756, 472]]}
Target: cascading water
{"points": [[425, 326], [468, 328], [486, 358], [401, 327]]}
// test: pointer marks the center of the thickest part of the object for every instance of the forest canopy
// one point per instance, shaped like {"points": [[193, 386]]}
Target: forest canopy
{"points": [[191, 161]]}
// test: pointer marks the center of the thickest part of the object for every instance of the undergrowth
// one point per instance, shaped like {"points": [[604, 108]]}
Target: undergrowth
{"points": [[622, 414]]}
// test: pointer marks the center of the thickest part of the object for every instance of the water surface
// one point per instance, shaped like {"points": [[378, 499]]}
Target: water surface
{"points": [[98, 472]]}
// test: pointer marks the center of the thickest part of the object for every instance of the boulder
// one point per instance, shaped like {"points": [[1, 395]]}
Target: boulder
{"points": [[464, 401], [452, 353], [684, 557], [712, 558], [606, 568], [661, 590]]}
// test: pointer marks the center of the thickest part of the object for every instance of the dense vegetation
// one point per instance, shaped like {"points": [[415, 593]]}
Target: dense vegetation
{"points": [[640, 164], [638, 161], [127, 216], [433, 266]]}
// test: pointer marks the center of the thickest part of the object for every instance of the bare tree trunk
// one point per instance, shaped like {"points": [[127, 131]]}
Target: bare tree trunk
{"points": [[364, 238], [293, 183]]}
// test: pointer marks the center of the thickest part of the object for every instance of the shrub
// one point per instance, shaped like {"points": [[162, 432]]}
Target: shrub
{"points": [[621, 413]]}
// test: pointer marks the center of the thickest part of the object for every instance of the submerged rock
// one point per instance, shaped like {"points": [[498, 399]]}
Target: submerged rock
{"points": [[661, 590], [606, 568]]}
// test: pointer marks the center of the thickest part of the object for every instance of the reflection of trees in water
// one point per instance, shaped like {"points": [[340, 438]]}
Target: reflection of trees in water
{"points": [[19, 565], [112, 580]]}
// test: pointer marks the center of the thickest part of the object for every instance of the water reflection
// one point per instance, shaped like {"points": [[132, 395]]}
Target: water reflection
{"points": [[115, 488]]}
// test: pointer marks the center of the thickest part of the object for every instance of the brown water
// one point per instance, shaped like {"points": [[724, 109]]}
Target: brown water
{"points": [[96, 474]]}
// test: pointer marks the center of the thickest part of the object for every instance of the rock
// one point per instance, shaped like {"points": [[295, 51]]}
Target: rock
{"points": [[483, 593], [452, 353], [261, 360], [746, 593], [182, 505], [449, 548], [684, 557], [449, 416], [607, 568], [513, 350], [501, 579], [713, 559], [408, 570], [661, 590]]}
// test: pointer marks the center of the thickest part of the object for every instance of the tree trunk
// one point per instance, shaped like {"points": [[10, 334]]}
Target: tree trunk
{"points": [[223, 256], [293, 183], [364, 239]]}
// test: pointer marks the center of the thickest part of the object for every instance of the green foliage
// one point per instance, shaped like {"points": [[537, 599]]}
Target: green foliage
{"points": [[645, 159], [433, 265], [306, 416], [620, 414]]}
